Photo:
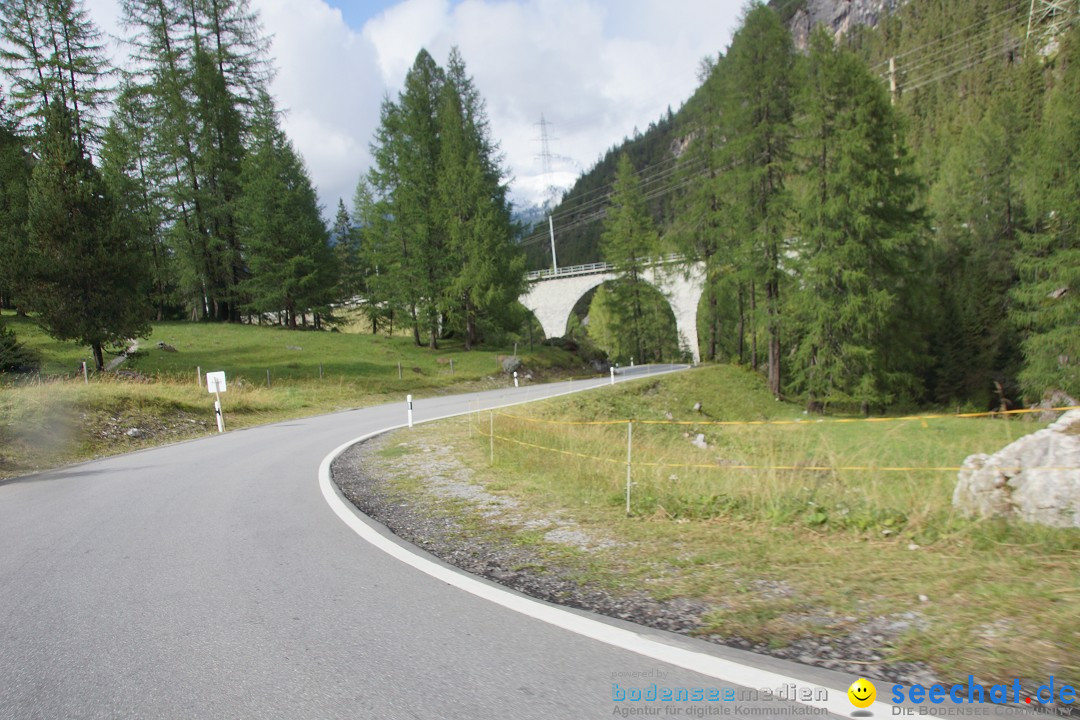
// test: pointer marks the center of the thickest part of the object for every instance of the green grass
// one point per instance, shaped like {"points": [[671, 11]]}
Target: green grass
{"points": [[56, 419], [849, 547]]}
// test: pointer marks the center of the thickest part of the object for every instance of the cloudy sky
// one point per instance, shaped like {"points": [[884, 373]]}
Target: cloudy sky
{"points": [[595, 69]]}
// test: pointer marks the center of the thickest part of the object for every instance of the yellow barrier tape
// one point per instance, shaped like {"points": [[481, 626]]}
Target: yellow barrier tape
{"points": [[724, 466], [905, 418]]}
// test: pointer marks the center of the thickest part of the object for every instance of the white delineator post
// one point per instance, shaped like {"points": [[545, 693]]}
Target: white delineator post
{"points": [[629, 445], [408, 399], [85, 373], [515, 379], [612, 376]]}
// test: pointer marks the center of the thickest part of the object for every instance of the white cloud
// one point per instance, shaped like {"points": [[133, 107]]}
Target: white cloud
{"points": [[595, 68]]}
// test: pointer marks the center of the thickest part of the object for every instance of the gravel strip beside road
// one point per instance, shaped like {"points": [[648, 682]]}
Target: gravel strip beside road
{"points": [[433, 524]]}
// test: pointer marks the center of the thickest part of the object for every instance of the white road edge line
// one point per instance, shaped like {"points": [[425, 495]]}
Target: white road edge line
{"points": [[719, 668]]}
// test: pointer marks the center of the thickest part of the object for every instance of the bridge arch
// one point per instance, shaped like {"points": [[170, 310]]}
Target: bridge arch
{"points": [[552, 296]]}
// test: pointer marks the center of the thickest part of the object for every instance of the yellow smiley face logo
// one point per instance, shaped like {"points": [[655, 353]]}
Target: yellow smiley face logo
{"points": [[862, 693]]}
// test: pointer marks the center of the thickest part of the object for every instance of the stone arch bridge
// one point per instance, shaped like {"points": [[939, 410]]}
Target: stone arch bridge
{"points": [[552, 294]]}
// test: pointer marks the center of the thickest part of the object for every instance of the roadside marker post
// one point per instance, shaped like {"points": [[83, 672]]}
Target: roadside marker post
{"points": [[408, 399], [85, 373], [215, 383], [515, 379], [612, 375], [629, 445], [198, 375]]}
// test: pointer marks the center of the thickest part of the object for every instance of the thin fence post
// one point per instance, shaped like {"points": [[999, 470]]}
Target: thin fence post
{"points": [[198, 374], [451, 366], [85, 373], [491, 435], [320, 371], [267, 378], [629, 446], [399, 370]]}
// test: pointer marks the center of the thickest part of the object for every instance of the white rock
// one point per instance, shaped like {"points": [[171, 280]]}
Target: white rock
{"points": [[1035, 479], [699, 442]]}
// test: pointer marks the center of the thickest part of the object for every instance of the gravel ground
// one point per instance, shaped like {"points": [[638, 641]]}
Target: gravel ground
{"points": [[432, 519]]}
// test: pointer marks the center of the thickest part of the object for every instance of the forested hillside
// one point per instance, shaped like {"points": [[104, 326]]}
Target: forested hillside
{"points": [[908, 227]]}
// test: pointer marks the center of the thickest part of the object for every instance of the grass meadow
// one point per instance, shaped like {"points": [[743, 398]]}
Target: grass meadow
{"points": [[56, 418], [765, 526]]}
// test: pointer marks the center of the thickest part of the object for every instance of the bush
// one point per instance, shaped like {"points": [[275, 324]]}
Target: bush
{"points": [[14, 356]]}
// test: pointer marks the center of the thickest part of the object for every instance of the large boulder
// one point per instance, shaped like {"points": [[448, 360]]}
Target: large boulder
{"points": [[1035, 479]]}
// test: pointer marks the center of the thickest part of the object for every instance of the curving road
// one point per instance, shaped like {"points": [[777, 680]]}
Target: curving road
{"points": [[212, 579]]}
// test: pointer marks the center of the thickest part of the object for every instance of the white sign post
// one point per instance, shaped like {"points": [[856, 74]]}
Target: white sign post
{"points": [[215, 383], [515, 379], [408, 399]]}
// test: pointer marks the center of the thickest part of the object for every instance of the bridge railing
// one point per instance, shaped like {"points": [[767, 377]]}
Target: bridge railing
{"points": [[592, 268]]}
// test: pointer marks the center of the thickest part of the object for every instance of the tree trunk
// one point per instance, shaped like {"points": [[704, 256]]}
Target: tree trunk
{"points": [[772, 295], [713, 324], [99, 356], [753, 324]]}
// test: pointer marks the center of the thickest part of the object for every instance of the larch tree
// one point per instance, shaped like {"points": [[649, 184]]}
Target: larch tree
{"points": [[857, 236], [1047, 296], [756, 157], [488, 276], [292, 267], [628, 242]]}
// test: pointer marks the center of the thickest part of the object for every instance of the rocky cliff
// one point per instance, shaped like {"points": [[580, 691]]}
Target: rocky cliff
{"points": [[837, 15]]}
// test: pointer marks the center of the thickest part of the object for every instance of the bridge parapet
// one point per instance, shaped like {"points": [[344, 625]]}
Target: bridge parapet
{"points": [[592, 268]]}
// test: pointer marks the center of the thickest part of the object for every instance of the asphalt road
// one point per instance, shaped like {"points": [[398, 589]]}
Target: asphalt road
{"points": [[211, 579]]}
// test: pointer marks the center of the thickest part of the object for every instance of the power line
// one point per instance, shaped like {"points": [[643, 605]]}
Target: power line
{"points": [[938, 41], [950, 54], [602, 212]]}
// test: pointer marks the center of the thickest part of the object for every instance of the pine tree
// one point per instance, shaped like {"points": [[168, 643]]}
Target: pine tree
{"points": [[377, 248], [628, 242], [14, 356], [1047, 297], [979, 214], [404, 179], [345, 239], [702, 227], [15, 166], [87, 271], [857, 233], [129, 172], [291, 264], [489, 273]]}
